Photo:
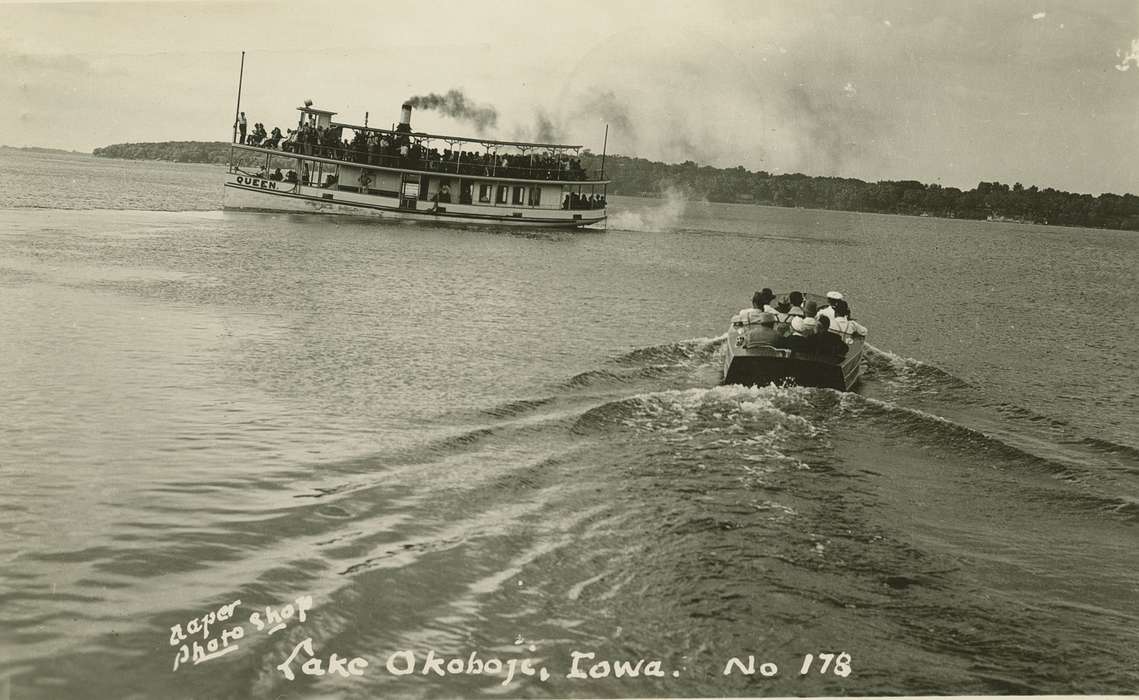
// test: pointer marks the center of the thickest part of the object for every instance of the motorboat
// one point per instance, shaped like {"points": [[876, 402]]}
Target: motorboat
{"points": [[754, 357]]}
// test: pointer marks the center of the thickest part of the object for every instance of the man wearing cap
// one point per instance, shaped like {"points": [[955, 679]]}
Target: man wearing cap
{"points": [[828, 310]]}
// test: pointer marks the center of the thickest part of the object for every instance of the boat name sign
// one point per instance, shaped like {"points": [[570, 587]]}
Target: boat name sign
{"points": [[257, 182]]}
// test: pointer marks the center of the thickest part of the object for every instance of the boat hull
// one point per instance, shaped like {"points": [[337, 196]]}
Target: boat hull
{"points": [[766, 365], [244, 193]]}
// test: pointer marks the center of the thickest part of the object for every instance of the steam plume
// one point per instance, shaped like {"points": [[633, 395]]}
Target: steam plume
{"points": [[1131, 58], [456, 105], [607, 107], [545, 130]]}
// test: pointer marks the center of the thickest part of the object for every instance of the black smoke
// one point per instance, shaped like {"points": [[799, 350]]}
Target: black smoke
{"points": [[456, 105]]}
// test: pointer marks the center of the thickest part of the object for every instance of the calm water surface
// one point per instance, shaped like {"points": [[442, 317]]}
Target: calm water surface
{"points": [[513, 443]]}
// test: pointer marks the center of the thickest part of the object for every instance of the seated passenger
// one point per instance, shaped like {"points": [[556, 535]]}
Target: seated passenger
{"points": [[751, 315], [828, 310], [783, 309], [277, 175], [758, 301], [842, 322], [810, 309], [796, 299], [801, 331], [825, 343], [768, 296], [764, 332]]}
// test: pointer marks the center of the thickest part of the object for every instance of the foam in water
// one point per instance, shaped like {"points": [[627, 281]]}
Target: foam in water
{"points": [[658, 219], [718, 409]]}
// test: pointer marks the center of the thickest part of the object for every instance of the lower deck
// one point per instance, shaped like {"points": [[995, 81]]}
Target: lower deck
{"points": [[256, 194], [300, 183]]}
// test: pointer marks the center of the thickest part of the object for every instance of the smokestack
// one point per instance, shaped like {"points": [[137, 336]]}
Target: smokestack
{"points": [[404, 118]]}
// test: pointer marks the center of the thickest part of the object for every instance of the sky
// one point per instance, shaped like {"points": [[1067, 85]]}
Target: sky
{"points": [[1042, 93]]}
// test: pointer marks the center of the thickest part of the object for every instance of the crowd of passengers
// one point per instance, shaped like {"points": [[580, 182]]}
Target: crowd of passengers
{"points": [[801, 326], [573, 200], [395, 149]]}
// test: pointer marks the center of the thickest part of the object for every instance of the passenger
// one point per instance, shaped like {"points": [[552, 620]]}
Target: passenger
{"points": [[752, 315], [810, 309], [276, 175], [782, 310], [824, 342], [842, 322], [764, 332], [828, 310], [768, 297], [796, 299], [242, 125], [801, 331]]}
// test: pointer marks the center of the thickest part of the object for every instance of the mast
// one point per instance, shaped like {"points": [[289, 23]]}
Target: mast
{"points": [[604, 145], [237, 111]]}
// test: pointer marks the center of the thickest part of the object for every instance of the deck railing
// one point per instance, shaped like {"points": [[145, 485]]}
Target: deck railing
{"points": [[455, 166]]}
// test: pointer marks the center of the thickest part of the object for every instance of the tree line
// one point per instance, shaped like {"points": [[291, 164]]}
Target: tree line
{"points": [[988, 200], [177, 152], [640, 177]]}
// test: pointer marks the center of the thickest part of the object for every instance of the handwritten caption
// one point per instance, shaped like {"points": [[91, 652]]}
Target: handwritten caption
{"points": [[220, 621], [216, 633]]}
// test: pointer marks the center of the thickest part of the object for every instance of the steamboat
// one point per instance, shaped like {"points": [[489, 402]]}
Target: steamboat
{"points": [[329, 167]]}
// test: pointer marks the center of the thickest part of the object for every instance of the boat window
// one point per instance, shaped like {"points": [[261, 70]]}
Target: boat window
{"points": [[518, 192], [535, 196], [484, 193], [502, 192]]}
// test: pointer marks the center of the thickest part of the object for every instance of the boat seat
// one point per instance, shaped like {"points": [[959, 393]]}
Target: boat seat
{"points": [[768, 349]]}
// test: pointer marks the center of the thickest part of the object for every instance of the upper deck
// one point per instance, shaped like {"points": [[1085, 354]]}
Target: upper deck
{"points": [[318, 137]]}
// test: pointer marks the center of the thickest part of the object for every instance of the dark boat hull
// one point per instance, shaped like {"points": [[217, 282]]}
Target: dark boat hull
{"points": [[766, 365]]}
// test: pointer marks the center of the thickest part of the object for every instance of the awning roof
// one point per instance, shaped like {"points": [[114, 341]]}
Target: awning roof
{"points": [[467, 139]]}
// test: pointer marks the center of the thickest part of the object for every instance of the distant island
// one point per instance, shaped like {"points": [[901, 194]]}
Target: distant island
{"points": [[40, 149], [992, 201]]}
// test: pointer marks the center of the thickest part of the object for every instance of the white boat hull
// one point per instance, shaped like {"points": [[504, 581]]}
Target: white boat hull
{"points": [[259, 194]]}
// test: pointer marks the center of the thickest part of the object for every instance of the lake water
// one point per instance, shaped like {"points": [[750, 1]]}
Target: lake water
{"points": [[513, 443]]}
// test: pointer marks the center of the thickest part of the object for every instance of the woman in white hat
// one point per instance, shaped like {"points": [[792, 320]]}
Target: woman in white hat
{"points": [[828, 310]]}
